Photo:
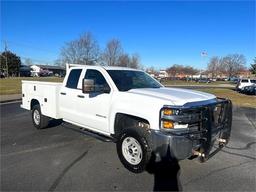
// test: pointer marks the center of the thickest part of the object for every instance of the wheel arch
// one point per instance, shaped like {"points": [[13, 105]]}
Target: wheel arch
{"points": [[123, 120], [33, 103]]}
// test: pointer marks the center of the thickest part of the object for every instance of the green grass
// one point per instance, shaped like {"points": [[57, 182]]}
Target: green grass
{"points": [[237, 99], [12, 85]]}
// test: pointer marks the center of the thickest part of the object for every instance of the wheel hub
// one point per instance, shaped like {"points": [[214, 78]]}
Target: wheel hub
{"points": [[36, 116], [132, 150]]}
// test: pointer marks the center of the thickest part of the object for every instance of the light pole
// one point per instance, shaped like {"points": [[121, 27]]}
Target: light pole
{"points": [[204, 54]]}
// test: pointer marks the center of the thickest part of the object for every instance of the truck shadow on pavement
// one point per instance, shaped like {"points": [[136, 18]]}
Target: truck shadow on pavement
{"points": [[54, 123], [166, 174]]}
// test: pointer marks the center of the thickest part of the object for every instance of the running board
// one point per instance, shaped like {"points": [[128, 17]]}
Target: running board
{"points": [[87, 132]]}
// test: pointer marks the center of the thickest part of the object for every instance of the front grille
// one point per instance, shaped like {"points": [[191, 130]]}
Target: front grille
{"points": [[201, 118]]}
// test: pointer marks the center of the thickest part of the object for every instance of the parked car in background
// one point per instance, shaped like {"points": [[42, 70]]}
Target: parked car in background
{"points": [[234, 80], [244, 82], [204, 80], [249, 90]]}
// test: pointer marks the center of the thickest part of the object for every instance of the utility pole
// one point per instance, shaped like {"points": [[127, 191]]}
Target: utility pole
{"points": [[6, 61]]}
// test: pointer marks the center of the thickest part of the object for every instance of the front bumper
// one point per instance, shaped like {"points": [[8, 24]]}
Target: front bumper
{"points": [[214, 126]]}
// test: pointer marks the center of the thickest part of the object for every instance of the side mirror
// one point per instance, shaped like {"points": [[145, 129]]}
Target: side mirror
{"points": [[88, 86]]}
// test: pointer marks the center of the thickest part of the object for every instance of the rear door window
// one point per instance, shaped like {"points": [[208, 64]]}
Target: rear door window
{"points": [[73, 78], [244, 81]]}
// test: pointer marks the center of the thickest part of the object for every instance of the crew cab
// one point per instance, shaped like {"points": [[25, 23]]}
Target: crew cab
{"points": [[143, 117]]}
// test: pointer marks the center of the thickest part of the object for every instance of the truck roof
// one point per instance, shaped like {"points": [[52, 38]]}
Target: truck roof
{"points": [[99, 66], [118, 68]]}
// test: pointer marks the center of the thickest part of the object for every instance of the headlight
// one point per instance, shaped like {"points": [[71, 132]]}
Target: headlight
{"points": [[167, 119], [168, 112]]}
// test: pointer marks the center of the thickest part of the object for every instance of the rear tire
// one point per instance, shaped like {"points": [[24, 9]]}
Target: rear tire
{"points": [[39, 120], [134, 149]]}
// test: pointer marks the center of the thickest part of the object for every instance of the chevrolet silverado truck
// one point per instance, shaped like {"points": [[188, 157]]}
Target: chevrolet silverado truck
{"points": [[140, 115]]}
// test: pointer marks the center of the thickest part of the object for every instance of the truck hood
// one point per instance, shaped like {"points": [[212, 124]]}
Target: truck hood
{"points": [[176, 95]]}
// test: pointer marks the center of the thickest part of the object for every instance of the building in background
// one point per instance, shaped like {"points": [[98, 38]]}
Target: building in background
{"points": [[163, 74], [47, 70]]}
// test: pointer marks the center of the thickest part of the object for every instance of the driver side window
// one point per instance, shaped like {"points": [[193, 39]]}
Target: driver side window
{"points": [[99, 80]]}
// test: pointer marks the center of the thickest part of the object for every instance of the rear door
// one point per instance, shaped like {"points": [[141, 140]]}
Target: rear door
{"points": [[68, 95]]}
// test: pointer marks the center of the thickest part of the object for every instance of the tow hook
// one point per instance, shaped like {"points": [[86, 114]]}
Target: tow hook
{"points": [[222, 140], [199, 154]]}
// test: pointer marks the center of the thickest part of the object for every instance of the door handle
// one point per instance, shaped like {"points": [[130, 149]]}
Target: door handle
{"points": [[80, 96], [62, 93]]}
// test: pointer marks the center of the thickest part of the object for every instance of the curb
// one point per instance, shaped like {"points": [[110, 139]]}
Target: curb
{"points": [[11, 100]]}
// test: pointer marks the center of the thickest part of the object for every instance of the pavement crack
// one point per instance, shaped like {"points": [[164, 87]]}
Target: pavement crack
{"points": [[39, 149], [216, 171], [239, 155], [251, 121], [62, 174], [247, 146]]}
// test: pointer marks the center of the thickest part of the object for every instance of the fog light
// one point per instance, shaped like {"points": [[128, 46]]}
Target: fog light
{"points": [[168, 124]]}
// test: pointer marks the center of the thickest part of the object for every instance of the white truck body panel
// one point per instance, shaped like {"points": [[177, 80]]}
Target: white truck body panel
{"points": [[169, 122], [41, 91], [98, 113]]}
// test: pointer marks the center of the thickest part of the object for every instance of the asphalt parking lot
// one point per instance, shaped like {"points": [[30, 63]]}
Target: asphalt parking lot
{"points": [[61, 159]]}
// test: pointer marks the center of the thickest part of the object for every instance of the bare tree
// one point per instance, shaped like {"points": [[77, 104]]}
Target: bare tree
{"points": [[84, 50], [233, 63], [123, 60], [180, 69], [214, 66], [135, 61], [253, 66], [174, 70], [190, 70], [112, 52]]}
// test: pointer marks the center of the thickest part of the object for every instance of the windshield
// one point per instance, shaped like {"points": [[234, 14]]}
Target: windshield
{"points": [[129, 79]]}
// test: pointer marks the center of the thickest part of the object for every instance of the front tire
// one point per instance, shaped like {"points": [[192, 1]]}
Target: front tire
{"points": [[134, 149], [39, 120]]}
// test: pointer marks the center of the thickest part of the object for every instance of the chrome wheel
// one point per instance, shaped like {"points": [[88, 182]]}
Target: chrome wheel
{"points": [[132, 151], [36, 117]]}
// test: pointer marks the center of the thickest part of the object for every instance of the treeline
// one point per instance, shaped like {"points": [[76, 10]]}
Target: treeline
{"points": [[231, 65], [86, 50], [181, 69]]}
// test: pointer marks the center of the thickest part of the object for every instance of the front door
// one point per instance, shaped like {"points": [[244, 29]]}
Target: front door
{"points": [[93, 108]]}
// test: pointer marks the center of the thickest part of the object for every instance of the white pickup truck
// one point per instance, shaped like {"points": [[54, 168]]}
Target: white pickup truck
{"points": [[144, 118]]}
